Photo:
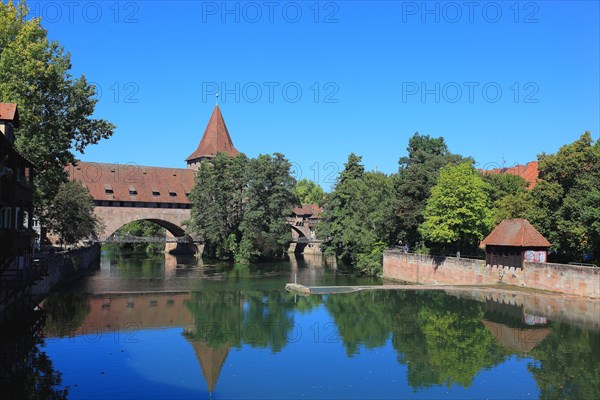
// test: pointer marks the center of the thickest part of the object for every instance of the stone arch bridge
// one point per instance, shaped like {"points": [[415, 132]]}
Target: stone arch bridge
{"points": [[124, 193]]}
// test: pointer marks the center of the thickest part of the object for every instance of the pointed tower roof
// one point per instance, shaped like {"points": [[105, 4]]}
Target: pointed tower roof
{"points": [[211, 361], [216, 139]]}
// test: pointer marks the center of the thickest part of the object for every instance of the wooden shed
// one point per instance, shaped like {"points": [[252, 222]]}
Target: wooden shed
{"points": [[514, 241]]}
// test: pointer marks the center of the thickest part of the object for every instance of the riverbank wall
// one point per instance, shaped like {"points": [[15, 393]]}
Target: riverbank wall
{"points": [[65, 267], [439, 270]]}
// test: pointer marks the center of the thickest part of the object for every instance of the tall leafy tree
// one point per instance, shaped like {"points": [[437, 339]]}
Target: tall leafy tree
{"points": [[509, 196], [457, 214], [417, 174], [566, 199], [219, 203], [270, 198], [71, 215], [240, 206], [55, 109], [309, 192], [358, 219]]}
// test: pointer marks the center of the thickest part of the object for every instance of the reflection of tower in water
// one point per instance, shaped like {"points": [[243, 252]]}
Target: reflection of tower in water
{"points": [[211, 361]]}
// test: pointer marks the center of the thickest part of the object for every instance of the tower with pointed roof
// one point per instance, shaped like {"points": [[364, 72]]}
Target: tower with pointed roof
{"points": [[215, 140]]}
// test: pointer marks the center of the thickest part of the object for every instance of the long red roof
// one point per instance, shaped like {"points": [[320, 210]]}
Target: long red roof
{"points": [[215, 140], [117, 182]]}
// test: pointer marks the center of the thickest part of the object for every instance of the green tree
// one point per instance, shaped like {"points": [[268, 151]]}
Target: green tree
{"points": [[269, 200], [417, 174], [519, 205], [566, 199], [309, 192], [55, 109], [240, 207], [458, 212], [71, 214], [219, 203], [358, 218], [508, 195]]}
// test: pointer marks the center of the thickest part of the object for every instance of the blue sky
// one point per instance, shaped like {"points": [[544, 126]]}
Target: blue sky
{"points": [[500, 81]]}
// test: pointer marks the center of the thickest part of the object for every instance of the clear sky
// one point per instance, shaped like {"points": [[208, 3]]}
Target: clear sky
{"points": [[500, 81]]}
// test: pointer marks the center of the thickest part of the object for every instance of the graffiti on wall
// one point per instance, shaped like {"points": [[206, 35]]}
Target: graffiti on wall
{"points": [[538, 256]]}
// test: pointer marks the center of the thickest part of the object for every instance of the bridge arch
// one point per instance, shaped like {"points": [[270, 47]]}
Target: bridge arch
{"points": [[114, 218], [173, 229], [300, 232]]}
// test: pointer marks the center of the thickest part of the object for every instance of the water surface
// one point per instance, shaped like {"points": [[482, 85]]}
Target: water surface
{"points": [[175, 327]]}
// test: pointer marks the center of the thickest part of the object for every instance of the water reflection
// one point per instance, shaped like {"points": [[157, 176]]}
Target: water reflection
{"points": [[441, 339], [180, 327], [26, 371]]}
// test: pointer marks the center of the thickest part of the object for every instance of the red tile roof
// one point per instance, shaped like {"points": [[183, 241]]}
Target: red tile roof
{"points": [[515, 232], [308, 209], [529, 172], [125, 179], [216, 138], [8, 112]]}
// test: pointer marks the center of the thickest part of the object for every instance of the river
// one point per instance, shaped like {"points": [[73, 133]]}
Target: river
{"points": [[154, 327]]}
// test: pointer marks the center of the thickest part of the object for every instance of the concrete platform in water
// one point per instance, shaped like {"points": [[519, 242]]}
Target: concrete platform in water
{"points": [[308, 290]]}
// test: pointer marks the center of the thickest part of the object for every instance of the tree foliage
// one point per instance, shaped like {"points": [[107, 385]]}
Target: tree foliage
{"points": [[458, 210], [358, 218], [55, 108], [417, 174], [566, 200], [143, 228], [71, 214], [509, 196], [309, 192], [240, 206]]}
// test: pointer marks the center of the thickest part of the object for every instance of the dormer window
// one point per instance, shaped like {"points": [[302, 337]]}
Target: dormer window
{"points": [[108, 189], [155, 192], [132, 191], [172, 194]]}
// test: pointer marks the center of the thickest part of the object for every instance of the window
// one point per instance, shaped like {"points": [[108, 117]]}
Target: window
{"points": [[5, 214], [173, 194], [132, 191], [108, 189], [155, 192]]}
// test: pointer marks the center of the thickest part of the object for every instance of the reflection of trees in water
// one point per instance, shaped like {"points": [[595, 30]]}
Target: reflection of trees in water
{"points": [[440, 338], [36, 378], [262, 319], [443, 340], [457, 343], [362, 318], [66, 312], [26, 372], [568, 366]]}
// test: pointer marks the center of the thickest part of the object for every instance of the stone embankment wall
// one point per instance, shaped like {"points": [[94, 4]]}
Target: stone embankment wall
{"points": [[418, 268], [67, 266]]}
